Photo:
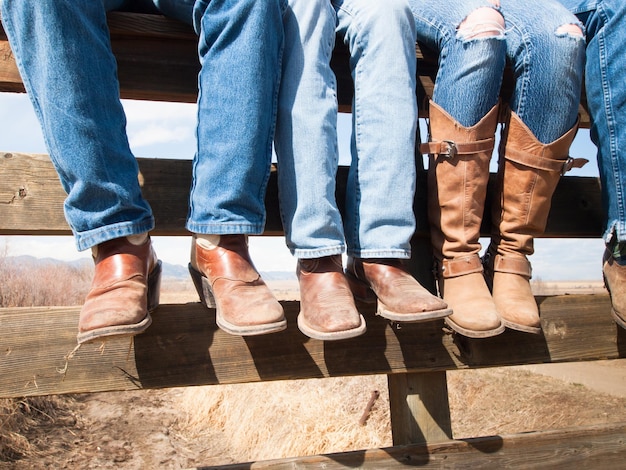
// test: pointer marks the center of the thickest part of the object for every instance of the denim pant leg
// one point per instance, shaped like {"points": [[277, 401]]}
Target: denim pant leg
{"points": [[605, 28], [64, 55], [470, 70], [379, 220], [240, 48], [306, 132], [547, 65]]}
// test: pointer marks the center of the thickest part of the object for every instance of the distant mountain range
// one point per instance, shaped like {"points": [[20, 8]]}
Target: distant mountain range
{"points": [[171, 271]]}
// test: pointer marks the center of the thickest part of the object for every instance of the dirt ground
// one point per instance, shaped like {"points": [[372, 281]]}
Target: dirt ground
{"points": [[148, 428]]}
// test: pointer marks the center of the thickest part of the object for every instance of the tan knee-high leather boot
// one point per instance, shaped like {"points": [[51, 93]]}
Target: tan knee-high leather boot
{"points": [[527, 177], [458, 173]]}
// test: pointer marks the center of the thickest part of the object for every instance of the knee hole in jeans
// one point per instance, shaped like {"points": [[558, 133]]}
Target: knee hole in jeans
{"points": [[570, 30], [481, 23]]}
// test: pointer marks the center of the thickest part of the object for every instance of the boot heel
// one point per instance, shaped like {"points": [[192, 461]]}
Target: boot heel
{"points": [[201, 283], [360, 290], [154, 287]]}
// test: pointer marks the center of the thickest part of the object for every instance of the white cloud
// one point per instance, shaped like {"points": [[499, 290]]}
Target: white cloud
{"points": [[568, 259], [154, 134]]}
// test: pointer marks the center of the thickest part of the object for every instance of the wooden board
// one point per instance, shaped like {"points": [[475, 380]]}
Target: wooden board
{"points": [[157, 60], [31, 199], [580, 448], [184, 347]]}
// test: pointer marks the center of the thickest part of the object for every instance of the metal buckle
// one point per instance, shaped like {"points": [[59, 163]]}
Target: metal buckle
{"points": [[567, 165], [451, 150]]}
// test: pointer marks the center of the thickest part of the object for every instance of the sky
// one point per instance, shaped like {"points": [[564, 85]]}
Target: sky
{"points": [[167, 130]]}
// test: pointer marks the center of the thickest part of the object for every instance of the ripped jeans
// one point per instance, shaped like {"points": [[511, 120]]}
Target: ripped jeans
{"points": [[541, 40], [605, 30]]}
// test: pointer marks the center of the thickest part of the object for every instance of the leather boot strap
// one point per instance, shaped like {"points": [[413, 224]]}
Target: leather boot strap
{"points": [[461, 266], [541, 163], [451, 149], [512, 265]]}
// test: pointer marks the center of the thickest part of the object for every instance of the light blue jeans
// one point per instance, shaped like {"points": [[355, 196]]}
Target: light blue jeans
{"points": [[63, 51], [605, 70], [547, 64], [379, 219]]}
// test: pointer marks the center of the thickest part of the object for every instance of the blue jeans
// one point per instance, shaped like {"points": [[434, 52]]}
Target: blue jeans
{"points": [[76, 98], [605, 30], [547, 64], [379, 219]]}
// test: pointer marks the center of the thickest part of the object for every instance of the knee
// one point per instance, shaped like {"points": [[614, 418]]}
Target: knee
{"points": [[571, 29], [374, 13], [483, 22], [389, 24]]}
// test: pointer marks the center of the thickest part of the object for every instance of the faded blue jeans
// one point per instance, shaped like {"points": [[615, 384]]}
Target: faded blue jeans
{"points": [[546, 62], [605, 70], [63, 51], [379, 219]]}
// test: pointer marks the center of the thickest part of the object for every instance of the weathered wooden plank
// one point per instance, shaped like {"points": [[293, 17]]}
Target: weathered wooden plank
{"points": [[123, 24], [31, 196], [157, 60], [585, 447], [184, 347], [31, 199], [419, 408], [10, 79]]}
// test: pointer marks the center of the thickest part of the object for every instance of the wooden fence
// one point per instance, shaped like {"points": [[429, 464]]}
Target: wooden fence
{"points": [[183, 347]]}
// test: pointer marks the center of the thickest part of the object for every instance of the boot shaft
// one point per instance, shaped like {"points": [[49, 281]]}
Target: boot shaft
{"points": [[528, 173], [457, 181]]}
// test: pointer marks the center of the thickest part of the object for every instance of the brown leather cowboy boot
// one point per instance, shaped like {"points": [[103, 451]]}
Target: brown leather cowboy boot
{"points": [[226, 280], [458, 173], [327, 310], [400, 297], [124, 290], [615, 281], [527, 177]]}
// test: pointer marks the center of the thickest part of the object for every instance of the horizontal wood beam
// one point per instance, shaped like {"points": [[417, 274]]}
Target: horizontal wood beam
{"points": [[157, 60], [184, 347], [31, 199], [585, 447]]}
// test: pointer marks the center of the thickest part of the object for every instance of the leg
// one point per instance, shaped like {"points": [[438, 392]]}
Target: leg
{"points": [[87, 141], [236, 113], [463, 119], [306, 147], [84, 127], [606, 97], [534, 148], [381, 37]]}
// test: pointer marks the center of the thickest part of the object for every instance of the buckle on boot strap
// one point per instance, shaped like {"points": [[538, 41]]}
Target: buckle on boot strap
{"points": [[573, 163], [451, 149], [448, 149]]}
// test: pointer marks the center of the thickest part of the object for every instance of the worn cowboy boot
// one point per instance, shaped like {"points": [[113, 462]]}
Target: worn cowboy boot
{"points": [[527, 177], [124, 290], [400, 297], [457, 186], [226, 280], [327, 310], [614, 271]]}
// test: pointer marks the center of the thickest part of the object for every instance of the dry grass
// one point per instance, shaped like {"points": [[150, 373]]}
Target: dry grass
{"points": [[508, 400], [24, 424], [26, 285], [280, 419], [308, 417]]}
